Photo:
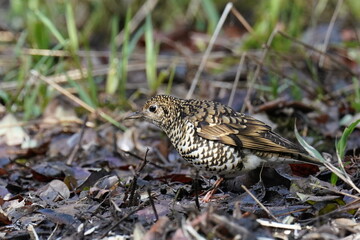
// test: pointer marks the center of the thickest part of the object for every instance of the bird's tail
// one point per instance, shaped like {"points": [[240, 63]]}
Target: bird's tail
{"points": [[288, 157]]}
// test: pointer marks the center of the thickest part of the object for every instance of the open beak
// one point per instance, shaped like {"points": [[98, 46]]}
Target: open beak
{"points": [[134, 115]]}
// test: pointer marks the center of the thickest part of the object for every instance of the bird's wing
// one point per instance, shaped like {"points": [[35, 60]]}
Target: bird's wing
{"points": [[246, 132]]}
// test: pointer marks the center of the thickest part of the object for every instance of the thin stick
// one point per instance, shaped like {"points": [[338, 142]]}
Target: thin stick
{"points": [[335, 191], [63, 91], [320, 52], [134, 181], [130, 200], [341, 174], [241, 19], [123, 218], [260, 204], [77, 100], [329, 30], [237, 78], [152, 204], [279, 225], [142, 165], [76, 148], [146, 8], [32, 232], [257, 71], [52, 122], [208, 49], [139, 158]]}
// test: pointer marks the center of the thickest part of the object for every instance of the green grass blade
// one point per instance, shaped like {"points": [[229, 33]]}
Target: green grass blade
{"points": [[171, 78], [20, 43], [92, 86], [150, 54], [333, 179], [4, 96], [135, 38], [45, 62], [31, 109], [47, 22], [311, 150], [341, 145], [94, 19], [71, 27], [212, 14], [125, 56], [82, 93], [356, 102], [112, 81]]}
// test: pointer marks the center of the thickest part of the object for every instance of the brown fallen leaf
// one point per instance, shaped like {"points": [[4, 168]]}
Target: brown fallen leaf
{"points": [[54, 191], [158, 230]]}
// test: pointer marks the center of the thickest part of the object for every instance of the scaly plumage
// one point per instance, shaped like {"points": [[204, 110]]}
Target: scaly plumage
{"points": [[215, 138]]}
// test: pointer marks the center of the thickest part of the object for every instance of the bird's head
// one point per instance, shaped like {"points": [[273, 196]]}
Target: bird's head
{"points": [[161, 110]]}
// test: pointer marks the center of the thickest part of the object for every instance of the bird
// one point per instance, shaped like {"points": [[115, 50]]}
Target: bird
{"points": [[218, 140]]}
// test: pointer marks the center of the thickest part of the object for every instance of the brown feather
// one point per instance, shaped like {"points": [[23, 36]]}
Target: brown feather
{"points": [[253, 134]]}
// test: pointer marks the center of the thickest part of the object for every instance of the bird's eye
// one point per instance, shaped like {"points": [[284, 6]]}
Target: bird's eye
{"points": [[152, 108]]}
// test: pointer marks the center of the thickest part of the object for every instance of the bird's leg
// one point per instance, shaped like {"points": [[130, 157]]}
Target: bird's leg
{"points": [[196, 185], [212, 191]]}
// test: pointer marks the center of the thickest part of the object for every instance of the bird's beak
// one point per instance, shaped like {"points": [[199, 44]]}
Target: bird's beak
{"points": [[134, 115]]}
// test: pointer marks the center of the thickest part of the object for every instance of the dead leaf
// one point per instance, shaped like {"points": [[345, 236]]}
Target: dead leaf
{"points": [[158, 230], [54, 191], [11, 132], [58, 218]]}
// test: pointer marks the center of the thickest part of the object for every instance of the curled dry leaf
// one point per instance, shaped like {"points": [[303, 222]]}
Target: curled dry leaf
{"points": [[54, 191], [11, 133]]}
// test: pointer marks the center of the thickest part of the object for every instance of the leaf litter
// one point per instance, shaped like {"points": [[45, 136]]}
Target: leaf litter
{"points": [[102, 187], [66, 178]]}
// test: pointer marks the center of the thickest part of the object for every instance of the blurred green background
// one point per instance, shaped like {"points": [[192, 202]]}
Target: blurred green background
{"points": [[117, 35]]}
